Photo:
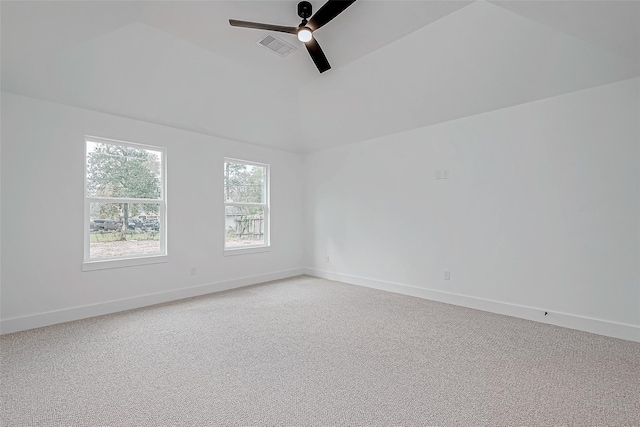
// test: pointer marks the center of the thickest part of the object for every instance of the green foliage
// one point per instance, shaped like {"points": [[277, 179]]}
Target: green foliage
{"points": [[244, 183], [121, 171]]}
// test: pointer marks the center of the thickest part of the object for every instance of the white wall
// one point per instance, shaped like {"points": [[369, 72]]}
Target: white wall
{"points": [[541, 210], [42, 216]]}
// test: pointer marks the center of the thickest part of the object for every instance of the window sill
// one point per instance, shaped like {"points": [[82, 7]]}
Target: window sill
{"points": [[246, 251], [104, 264]]}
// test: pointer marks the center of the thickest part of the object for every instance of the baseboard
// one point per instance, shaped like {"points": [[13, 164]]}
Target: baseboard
{"points": [[587, 324], [39, 320]]}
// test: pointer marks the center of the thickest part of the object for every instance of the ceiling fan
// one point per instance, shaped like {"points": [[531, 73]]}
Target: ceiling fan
{"points": [[304, 31]]}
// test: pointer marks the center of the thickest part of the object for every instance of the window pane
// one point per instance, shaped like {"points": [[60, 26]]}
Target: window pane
{"points": [[244, 183], [121, 171], [108, 238], [244, 226]]}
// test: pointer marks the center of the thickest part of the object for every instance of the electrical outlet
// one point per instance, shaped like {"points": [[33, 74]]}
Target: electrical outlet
{"points": [[438, 174], [445, 174], [193, 271], [446, 275], [326, 258]]}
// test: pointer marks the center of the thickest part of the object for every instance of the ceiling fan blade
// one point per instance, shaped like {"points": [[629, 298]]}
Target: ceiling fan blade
{"points": [[327, 12], [258, 26], [317, 55]]}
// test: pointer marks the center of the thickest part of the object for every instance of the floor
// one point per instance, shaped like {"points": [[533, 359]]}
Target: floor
{"points": [[312, 352]]}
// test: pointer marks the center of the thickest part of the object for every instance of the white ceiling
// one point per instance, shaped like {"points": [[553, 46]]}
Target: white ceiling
{"points": [[397, 65]]}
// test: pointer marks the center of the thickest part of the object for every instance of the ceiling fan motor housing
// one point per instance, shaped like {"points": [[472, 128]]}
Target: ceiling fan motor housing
{"points": [[304, 9]]}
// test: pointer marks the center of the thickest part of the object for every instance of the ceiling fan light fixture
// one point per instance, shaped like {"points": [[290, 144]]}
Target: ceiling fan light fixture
{"points": [[326, 13], [304, 34]]}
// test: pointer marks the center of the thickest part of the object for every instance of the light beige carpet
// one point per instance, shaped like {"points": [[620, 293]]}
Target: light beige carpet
{"points": [[310, 352]]}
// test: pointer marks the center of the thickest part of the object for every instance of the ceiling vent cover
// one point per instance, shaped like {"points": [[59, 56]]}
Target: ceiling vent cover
{"points": [[277, 45]]}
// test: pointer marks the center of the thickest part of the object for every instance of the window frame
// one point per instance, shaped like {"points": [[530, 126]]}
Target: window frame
{"points": [[90, 264], [243, 250]]}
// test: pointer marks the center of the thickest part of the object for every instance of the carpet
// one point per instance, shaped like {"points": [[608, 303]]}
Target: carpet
{"points": [[312, 352]]}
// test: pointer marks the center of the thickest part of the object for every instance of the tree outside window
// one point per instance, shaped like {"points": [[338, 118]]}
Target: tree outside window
{"points": [[246, 196], [124, 200]]}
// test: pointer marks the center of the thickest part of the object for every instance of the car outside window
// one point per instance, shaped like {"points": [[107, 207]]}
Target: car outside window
{"points": [[125, 207]]}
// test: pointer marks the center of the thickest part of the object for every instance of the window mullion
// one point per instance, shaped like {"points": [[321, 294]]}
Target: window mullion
{"points": [[259, 205], [123, 200]]}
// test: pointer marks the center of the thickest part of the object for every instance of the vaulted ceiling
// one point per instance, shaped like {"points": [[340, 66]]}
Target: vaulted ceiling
{"points": [[396, 65]]}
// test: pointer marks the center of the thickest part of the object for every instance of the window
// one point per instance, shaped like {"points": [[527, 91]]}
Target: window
{"points": [[246, 206], [125, 204]]}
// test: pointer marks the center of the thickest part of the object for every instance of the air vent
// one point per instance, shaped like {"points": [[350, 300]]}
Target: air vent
{"points": [[277, 45]]}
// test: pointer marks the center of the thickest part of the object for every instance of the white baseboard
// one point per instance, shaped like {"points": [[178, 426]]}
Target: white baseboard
{"points": [[587, 324], [22, 323]]}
